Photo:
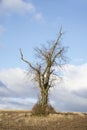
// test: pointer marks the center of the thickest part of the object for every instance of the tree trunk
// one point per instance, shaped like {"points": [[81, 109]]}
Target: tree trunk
{"points": [[44, 100]]}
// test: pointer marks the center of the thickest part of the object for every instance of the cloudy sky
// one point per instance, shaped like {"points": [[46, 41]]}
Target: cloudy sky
{"points": [[27, 24]]}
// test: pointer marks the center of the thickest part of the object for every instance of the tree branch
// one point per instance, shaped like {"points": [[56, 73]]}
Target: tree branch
{"points": [[22, 58], [56, 42], [41, 53], [57, 54]]}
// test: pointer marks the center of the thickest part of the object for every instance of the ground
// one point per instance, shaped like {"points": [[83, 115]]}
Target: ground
{"points": [[23, 120]]}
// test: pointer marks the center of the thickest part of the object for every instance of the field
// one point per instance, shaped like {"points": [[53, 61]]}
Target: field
{"points": [[23, 120]]}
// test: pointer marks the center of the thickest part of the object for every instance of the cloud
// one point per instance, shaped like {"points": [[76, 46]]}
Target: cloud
{"points": [[16, 103], [2, 85], [16, 6], [75, 76], [81, 92], [17, 90], [17, 80], [68, 95], [39, 17], [10, 7]]}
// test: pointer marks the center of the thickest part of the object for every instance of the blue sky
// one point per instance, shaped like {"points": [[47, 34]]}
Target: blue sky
{"points": [[30, 28], [27, 24]]}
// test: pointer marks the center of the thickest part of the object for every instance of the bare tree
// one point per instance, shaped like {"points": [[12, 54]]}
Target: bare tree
{"points": [[44, 69]]}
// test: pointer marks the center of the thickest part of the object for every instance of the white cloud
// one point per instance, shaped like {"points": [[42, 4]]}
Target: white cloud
{"points": [[39, 17], [17, 6], [20, 7], [17, 90], [68, 95], [17, 80], [16, 103], [75, 76]]}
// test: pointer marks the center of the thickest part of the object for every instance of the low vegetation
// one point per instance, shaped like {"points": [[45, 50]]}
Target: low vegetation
{"points": [[23, 120], [39, 111]]}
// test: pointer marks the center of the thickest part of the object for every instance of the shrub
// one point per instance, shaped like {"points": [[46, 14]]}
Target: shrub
{"points": [[42, 111]]}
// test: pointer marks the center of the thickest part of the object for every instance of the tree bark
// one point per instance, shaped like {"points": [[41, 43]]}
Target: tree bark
{"points": [[44, 99]]}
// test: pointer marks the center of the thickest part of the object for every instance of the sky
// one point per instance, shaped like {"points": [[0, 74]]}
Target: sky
{"points": [[27, 24]]}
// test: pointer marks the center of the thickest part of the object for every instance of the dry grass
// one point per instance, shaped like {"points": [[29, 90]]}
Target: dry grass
{"points": [[23, 120]]}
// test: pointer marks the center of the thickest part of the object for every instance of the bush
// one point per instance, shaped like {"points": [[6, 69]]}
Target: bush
{"points": [[39, 110]]}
